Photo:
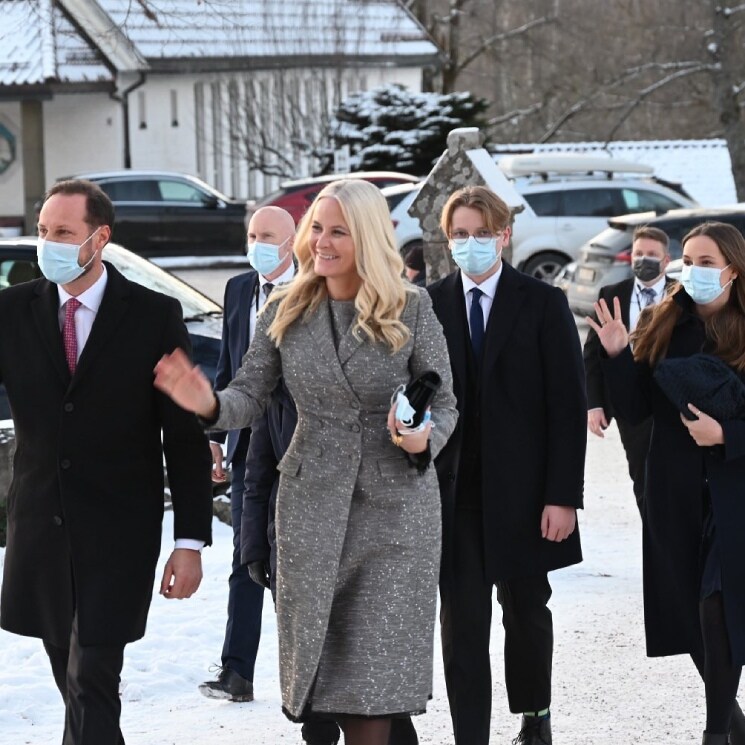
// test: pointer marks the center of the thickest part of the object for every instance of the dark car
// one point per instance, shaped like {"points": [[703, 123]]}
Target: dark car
{"points": [[203, 317], [606, 258], [171, 214], [297, 196]]}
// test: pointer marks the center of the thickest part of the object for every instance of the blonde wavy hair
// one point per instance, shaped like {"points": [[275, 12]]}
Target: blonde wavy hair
{"points": [[382, 294]]}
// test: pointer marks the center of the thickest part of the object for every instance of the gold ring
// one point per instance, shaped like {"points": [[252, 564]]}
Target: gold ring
{"points": [[397, 439]]}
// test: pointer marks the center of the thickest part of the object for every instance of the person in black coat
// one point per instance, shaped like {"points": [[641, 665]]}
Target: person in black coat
{"points": [[271, 233], [85, 506], [694, 561], [511, 475], [649, 259]]}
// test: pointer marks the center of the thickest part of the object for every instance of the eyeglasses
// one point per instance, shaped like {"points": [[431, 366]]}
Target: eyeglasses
{"points": [[482, 236]]}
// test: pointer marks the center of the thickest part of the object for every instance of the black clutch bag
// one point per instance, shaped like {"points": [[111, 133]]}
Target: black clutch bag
{"points": [[420, 393], [704, 381]]}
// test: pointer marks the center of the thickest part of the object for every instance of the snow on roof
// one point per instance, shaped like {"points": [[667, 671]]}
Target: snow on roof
{"points": [[269, 28], [30, 55], [703, 167]]}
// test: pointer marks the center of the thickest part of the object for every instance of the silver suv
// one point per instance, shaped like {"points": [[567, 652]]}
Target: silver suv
{"points": [[572, 197]]}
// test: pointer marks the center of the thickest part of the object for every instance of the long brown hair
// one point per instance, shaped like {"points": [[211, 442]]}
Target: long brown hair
{"points": [[725, 328]]}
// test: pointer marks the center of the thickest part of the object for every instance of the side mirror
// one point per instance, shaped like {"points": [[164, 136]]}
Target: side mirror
{"points": [[210, 202]]}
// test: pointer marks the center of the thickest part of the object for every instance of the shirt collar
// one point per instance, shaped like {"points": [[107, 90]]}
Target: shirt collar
{"points": [[488, 286], [286, 276], [658, 286], [92, 297]]}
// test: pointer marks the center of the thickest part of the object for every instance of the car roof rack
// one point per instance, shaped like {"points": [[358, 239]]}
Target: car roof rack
{"points": [[543, 164]]}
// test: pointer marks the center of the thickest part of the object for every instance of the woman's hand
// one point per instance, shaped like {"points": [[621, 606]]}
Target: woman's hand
{"points": [[705, 431], [414, 443], [185, 384], [609, 327]]}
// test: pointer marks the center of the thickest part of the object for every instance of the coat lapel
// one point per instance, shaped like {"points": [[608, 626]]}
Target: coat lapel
{"points": [[114, 304], [319, 327], [625, 294], [348, 344], [246, 302], [45, 310], [504, 312]]}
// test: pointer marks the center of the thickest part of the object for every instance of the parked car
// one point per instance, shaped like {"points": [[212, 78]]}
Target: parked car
{"points": [[297, 196], [159, 213], [606, 258], [572, 197], [203, 317]]}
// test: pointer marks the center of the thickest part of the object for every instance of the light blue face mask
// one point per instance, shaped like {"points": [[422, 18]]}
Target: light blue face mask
{"points": [[702, 283], [264, 257], [474, 257], [59, 261]]}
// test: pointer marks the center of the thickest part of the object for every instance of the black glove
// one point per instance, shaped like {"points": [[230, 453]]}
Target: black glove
{"points": [[259, 572]]}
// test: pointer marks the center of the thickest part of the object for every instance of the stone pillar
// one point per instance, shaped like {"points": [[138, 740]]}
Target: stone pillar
{"points": [[464, 163]]}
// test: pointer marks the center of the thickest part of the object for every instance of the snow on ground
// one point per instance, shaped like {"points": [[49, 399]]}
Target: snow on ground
{"points": [[605, 689]]}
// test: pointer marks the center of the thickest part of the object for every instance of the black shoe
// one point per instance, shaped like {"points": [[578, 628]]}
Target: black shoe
{"points": [[534, 731], [229, 685], [715, 739]]}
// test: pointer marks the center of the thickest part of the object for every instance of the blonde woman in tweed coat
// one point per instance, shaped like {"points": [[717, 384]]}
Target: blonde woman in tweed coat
{"points": [[358, 517]]}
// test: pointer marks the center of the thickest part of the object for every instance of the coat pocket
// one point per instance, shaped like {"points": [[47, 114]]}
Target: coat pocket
{"points": [[396, 468], [290, 465]]}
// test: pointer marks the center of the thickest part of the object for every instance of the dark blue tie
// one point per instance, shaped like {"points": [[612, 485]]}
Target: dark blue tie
{"points": [[476, 322], [648, 296]]}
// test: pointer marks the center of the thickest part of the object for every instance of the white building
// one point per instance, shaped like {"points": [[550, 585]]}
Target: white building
{"points": [[234, 91]]}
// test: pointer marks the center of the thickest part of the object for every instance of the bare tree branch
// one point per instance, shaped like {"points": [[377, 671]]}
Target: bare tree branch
{"points": [[515, 114]]}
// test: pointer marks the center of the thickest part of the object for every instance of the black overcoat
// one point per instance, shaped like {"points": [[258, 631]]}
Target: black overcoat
{"points": [[674, 505], [532, 414], [85, 505]]}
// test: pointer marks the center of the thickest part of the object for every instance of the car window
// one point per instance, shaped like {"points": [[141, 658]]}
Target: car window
{"points": [[15, 271], [641, 200], [131, 190], [545, 204], [591, 203], [180, 191], [395, 199]]}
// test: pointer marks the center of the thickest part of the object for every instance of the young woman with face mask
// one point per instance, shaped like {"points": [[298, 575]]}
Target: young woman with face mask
{"points": [[694, 556]]}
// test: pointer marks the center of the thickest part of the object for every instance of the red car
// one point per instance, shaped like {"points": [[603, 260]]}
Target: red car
{"points": [[296, 196]]}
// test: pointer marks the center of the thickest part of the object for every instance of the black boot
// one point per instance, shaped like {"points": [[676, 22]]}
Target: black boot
{"points": [[534, 731], [714, 739]]}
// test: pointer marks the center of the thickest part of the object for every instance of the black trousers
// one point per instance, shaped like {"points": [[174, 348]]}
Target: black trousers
{"points": [[465, 621], [635, 439], [88, 679]]}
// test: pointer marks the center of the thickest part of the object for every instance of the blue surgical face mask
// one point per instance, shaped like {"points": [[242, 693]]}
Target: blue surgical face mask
{"points": [[474, 257], [703, 283], [59, 261], [264, 257]]}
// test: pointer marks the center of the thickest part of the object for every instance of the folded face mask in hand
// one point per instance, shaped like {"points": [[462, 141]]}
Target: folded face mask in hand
{"points": [[405, 413]]}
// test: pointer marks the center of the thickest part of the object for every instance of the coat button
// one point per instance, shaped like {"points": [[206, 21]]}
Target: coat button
{"points": [[68, 406], [354, 404], [354, 427], [65, 463], [57, 520]]}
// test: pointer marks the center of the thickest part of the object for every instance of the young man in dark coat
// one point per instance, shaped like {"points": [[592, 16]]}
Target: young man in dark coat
{"points": [[511, 475], [649, 259], [85, 507]]}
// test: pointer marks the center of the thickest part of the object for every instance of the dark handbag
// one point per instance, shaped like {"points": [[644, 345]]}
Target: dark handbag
{"points": [[705, 381], [420, 393]]}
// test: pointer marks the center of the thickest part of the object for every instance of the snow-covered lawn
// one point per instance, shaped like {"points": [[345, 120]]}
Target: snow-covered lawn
{"points": [[605, 689]]}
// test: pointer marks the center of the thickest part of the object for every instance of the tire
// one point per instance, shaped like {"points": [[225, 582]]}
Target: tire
{"points": [[545, 266]]}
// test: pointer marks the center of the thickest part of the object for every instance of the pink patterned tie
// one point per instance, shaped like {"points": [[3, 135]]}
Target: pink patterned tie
{"points": [[69, 335]]}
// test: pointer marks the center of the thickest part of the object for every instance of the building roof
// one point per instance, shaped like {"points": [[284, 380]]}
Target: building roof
{"points": [[88, 41], [703, 167]]}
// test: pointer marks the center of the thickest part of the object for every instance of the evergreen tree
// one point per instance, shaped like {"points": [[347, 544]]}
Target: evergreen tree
{"points": [[394, 129]]}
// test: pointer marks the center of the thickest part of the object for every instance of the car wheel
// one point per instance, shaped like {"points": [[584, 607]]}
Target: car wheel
{"points": [[545, 266]]}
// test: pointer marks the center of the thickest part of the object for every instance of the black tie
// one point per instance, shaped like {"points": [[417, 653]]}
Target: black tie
{"points": [[648, 296], [268, 287], [476, 322]]}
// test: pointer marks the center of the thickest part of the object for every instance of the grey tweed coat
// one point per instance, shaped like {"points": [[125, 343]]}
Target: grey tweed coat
{"points": [[358, 528]]}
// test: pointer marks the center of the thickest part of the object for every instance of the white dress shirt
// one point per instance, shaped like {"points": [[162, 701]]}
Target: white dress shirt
{"points": [[637, 299], [260, 298], [488, 287]]}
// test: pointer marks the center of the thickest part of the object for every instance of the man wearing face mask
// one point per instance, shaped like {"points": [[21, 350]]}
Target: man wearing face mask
{"points": [[85, 507], [511, 475], [649, 259], [271, 232]]}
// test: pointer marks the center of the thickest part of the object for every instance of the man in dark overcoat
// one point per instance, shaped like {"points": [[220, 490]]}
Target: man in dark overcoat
{"points": [[511, 475], [85, 507]]}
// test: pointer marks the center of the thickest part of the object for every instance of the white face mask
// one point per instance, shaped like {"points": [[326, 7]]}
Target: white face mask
{"points": [[59, 261], [703, 283]]}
